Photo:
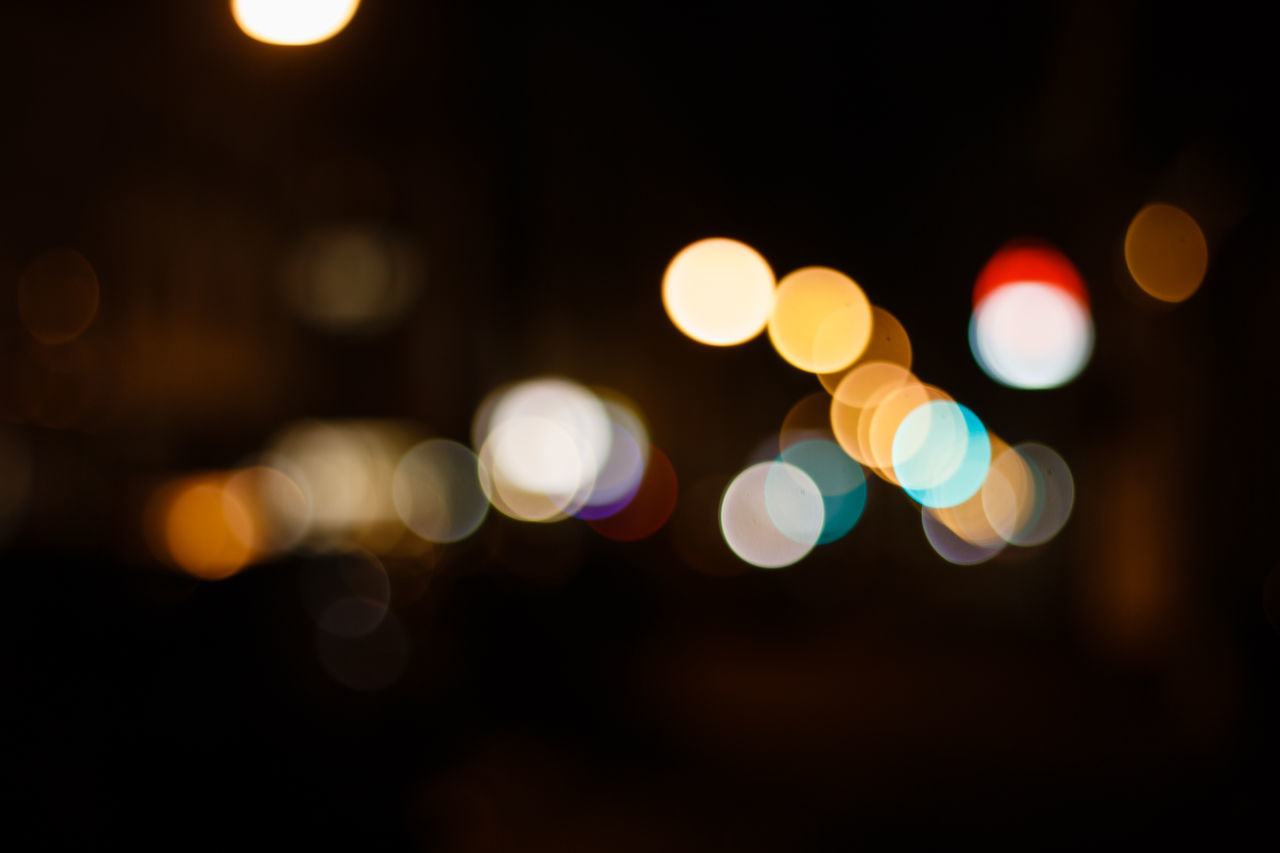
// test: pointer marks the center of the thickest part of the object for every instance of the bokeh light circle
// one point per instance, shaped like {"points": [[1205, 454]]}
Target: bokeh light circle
{"points": [[276, 502], [878, 425], [840, 481], [771, 514], [203, 530], [808, 419], [1166, 252], [941, 453], [345, 594], [1031, 334], [649, 506], [968, 519], [619, 477], [293, 22], [719, 292], [436, 491], [345, 470], [953, 547], [1054, 496], [821, 320], [1009, 493], [546, 443], [856, 399], [522, 450], [888, 342]]}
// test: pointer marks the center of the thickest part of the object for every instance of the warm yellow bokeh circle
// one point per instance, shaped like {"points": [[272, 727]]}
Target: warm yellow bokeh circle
{"points": [[719, 291], [888, 342], [1166, 252], [821, 320]]}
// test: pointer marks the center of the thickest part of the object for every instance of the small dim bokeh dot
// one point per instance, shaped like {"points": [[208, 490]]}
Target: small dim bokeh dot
{"points": [[58, 296]]}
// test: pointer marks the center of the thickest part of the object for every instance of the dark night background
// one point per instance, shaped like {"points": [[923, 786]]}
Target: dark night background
{"points": [[566, 692]]}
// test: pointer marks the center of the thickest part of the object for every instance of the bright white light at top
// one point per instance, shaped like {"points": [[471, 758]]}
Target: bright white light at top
{"points": [[293, 22], [1031, 335]]}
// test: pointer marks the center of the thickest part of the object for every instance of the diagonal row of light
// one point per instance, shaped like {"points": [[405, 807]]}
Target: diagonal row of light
{"points": [[977, 493]]}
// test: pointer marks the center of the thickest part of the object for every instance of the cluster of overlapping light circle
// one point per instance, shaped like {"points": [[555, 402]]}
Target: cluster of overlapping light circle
{"points": [[545, 449], [357, 497], [1031, 325], [550, 449], [977, 494]]}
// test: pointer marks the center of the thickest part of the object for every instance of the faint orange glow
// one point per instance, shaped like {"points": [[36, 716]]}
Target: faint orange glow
{"points": [[293, 22], [58, 296], [719, 292], [821, 320], [15, 478], [649, 509], [1135, 582], [808, 419], [888, 342], [1166, 252], [204, 530]]}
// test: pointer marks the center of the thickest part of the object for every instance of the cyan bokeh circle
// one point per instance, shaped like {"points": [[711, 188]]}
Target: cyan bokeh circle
{"points": [[941, 453]]}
